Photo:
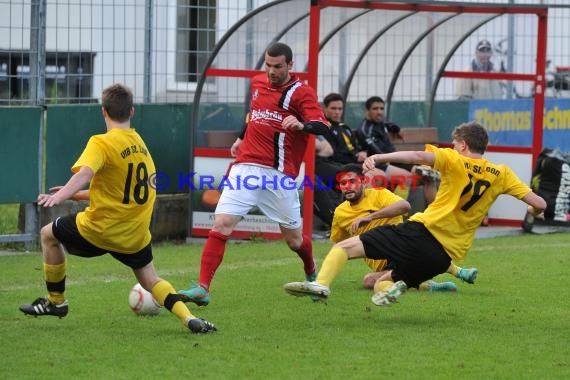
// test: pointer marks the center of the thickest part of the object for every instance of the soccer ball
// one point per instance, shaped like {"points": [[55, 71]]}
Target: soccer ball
{"points": [[142, 302]]}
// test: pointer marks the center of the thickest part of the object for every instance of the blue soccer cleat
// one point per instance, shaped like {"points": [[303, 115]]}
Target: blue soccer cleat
{"points": [[447, 286], [468, 275], [197, 294]]}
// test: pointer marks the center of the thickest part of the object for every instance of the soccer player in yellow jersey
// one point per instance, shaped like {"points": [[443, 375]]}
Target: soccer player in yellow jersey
{"points": [[117, 164], [424, 246], [367, 208]]}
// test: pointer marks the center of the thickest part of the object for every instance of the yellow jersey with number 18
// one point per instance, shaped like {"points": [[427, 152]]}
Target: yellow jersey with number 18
{"points": [[120, 198], [468, 188]]}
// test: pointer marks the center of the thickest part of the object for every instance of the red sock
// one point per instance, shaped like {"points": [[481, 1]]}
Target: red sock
{"points": [[305, 252], [212, 256]]}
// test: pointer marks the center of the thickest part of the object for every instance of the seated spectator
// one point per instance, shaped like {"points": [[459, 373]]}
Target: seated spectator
{"points": [[345, 145], [347, 149]]}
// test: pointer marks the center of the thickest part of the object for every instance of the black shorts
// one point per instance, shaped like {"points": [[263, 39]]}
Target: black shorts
{"points": [[65, 230], [415, 253]]}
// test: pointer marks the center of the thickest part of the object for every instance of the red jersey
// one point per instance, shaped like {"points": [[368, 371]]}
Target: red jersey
{"points": [[266, 142]]}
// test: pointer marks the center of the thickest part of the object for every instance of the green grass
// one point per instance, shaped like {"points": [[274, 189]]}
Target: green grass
{"points": [[9, 218], [9, 225], [512, 324]]}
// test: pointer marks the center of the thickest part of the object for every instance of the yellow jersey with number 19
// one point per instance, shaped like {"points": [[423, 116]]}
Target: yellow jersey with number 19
{"points": [[120, 198], [468, 188]]}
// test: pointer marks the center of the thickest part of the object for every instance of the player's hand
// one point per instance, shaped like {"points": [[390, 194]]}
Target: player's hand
{"points": [[535, 213], [81, 195], [361, 156], [235, 147], [291, 122], [47, 200], [357, 223], [369, 163]]}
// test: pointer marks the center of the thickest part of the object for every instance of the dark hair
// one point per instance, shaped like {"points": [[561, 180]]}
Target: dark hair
{"points": [[332, 97], [474, 135], [352, 168], [371, 100], [278, 48], [117, 101]]}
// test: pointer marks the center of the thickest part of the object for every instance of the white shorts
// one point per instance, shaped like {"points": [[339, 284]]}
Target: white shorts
{"points": [[274, 193]]}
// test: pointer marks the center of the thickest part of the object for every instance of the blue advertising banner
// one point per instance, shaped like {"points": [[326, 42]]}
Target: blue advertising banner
{"points": [[509, 122]]}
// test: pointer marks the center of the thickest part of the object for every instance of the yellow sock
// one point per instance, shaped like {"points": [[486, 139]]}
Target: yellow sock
{"points": [[381, 286], [453, 269], [161, 290], [54, 276], [332, 266], [402, 192]]}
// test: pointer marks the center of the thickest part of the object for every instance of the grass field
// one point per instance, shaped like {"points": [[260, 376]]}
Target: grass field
{"points": [[9, 218], [9, 225], [514, 323]]}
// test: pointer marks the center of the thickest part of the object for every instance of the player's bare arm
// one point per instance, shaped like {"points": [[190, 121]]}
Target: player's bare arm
{"points": [[312, 127], [75, 183], [395, 209], [235, 147], [536, 204], [81, 195], [404, 157]]}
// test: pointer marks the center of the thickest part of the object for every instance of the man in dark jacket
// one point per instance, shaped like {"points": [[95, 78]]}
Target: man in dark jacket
{"points": [[347, 149], [374, 135]]}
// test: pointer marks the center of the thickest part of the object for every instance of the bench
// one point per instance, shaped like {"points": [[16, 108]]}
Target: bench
{"points": [[415, 138], [221, 139]]}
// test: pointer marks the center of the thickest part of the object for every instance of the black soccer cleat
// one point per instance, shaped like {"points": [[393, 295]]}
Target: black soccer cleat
{"points": [[43, 306], [201, 326]]}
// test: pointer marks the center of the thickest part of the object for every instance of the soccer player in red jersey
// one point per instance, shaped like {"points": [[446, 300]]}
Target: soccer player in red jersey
{"points": [[283, 112]]}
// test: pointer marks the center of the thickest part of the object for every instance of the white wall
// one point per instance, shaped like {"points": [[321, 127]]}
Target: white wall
{"points": [[507, 207]]}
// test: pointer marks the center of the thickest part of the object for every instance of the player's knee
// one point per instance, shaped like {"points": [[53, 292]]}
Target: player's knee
{"points": [[369, 280], [223, 230], [223, 225], [46, 235]]}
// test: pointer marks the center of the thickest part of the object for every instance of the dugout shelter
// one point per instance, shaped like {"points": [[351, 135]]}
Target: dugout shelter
{"points": [[404, 51]]}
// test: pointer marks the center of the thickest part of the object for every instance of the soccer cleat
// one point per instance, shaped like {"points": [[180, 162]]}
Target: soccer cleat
{"points": [[468, 275], [428, 173], [196, 294], [447, 286], [317, 291], [201, 326], [43, 306], [390, 295]]}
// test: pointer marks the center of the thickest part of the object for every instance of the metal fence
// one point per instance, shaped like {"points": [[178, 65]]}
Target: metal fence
{"points": [[67, 51]]}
